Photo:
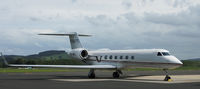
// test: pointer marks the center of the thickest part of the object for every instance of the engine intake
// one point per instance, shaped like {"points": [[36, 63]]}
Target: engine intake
{"points": [[80, 54], [84, 53]]}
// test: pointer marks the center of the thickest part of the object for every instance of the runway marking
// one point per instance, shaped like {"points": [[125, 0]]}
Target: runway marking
{"points": [[146, 79]]}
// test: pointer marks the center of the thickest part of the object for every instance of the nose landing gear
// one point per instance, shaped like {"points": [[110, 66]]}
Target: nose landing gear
{"points": [[167, 77]]}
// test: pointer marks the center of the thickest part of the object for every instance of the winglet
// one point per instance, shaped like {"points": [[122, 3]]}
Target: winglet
{"points": [[4, 59]]}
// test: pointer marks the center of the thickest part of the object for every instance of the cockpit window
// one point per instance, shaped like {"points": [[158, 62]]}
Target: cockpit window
{"points": [[165, 53], [159, 54]]}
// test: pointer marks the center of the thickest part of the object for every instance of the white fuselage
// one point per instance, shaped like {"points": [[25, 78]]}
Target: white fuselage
{"points": [[135, 58], [117, 59]]}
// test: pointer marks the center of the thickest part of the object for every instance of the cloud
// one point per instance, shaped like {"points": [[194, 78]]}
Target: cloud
{"points": [[184, 24], [189, 17], [127, 4], [122, 24]]}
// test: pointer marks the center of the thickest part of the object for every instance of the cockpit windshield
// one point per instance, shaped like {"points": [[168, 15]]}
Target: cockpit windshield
{"points": [[163, 54], [159, 54]]}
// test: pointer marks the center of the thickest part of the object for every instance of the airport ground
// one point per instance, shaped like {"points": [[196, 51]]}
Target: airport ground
{"points": [[182, 79]]}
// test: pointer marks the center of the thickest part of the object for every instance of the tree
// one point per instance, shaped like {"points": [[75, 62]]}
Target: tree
{"points": [[20, 61]]}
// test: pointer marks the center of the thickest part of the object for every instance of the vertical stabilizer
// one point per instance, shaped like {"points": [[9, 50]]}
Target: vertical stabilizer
{"points": [[74, 41]]}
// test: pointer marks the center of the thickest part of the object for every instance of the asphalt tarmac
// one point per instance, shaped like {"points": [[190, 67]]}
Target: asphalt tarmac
{"points": [[78, 80]]}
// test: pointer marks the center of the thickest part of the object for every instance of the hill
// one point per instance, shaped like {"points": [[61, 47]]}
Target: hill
{"points": [[190, 64], [51, 57], [194, 59]]}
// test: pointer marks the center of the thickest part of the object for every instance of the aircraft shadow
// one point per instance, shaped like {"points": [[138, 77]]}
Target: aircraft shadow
{"points": [[98, 77], [134, 77], [128, 77]]}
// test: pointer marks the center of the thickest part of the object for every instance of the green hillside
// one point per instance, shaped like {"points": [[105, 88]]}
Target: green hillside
{"points": [[52, 57], [190, 64]]}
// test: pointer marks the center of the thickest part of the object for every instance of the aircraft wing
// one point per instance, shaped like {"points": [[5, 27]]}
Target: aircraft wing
{"points": [[60, 66], [68, 66]]}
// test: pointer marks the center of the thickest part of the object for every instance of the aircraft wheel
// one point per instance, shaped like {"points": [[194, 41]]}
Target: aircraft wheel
{"points": [[115, 75], [92, 75], [167, 78]]}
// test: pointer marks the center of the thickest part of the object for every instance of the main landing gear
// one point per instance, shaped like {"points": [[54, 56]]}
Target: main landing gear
{"points": [[117, 73], [91, 74], [167, 77]]}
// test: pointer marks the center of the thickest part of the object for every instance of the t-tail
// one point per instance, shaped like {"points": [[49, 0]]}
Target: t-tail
{"points": [[77, 52], [73, 37]]}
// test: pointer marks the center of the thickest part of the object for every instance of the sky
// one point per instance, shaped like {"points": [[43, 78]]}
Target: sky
{"points": [[115, 24]]}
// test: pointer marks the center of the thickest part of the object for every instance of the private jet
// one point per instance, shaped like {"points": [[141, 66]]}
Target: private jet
{"points": [[112, 59]]}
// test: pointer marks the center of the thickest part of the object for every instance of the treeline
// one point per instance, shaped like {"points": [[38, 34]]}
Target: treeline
{"points": [[43, 58], [45, 61], [191, 63], [54, 57]]}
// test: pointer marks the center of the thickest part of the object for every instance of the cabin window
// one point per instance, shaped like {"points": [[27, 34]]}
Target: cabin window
{"points": [[132, 57], [110, 57], [101, 57], [159, 54], [126, 57], [115, 57], [121, 57], [105, 57], [165, 53]]}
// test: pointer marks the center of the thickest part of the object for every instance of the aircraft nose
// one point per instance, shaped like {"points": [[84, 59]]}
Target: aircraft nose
{"points": [[175, 60], [179, 62]]}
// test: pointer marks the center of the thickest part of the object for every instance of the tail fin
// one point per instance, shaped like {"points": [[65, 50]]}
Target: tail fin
{"points": [[4, 60], [73, 37]]}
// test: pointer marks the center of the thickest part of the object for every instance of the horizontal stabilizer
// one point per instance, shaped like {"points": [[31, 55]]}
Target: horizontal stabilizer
{"points": [[67, 34], [73, 37]]}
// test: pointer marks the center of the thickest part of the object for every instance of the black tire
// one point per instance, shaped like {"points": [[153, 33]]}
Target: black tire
{"points": [[92, 75], [167, 77], [115, 75]]}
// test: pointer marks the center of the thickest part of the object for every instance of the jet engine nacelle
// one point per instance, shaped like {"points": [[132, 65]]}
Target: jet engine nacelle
{"points": [[79, 54]]}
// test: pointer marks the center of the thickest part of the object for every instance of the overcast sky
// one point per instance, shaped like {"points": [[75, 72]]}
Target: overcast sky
{"points": [[115, 24]]}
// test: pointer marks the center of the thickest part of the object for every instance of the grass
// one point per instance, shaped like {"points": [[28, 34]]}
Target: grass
{"points": [[188, 68], [23, 70]]}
